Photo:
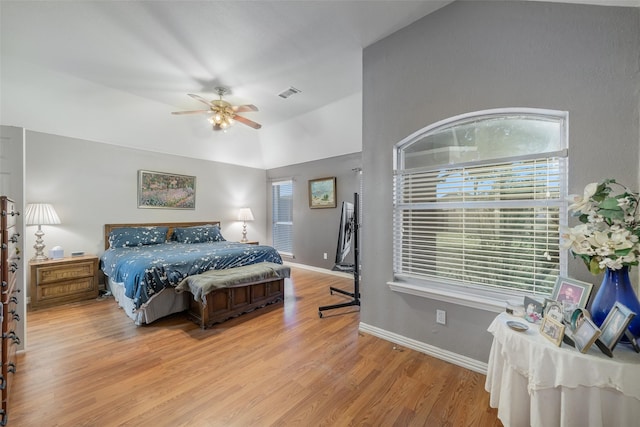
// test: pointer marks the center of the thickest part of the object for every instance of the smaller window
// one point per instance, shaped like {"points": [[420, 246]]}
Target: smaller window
{"points": [[282, 214]]}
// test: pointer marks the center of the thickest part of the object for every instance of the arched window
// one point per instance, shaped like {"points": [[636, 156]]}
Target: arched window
{"points": [[478, 200]]}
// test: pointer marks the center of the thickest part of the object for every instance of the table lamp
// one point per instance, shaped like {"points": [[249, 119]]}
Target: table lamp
{"points": [[245, 215], [40, 214]]}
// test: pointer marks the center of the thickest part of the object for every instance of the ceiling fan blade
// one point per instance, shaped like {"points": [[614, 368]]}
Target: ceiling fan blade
{"points": [[244, 108], [191, 112], [201, 99], [247, 122]]}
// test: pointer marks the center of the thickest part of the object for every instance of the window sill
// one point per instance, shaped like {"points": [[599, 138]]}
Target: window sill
{"points": [[469, 298]]}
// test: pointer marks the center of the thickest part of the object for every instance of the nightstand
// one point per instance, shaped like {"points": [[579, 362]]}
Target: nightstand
{"points": [[252, 243], [59, 281]]}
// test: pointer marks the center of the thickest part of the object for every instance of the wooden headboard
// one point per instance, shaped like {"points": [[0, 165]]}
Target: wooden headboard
{"points": [[171, 225]]}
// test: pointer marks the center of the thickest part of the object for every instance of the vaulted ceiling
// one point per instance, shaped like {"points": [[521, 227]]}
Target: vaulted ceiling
{"points": [[113, 72]]}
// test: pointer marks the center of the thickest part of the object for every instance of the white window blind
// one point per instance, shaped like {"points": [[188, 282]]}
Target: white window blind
{"points": [[282, 216], [482, 223]]}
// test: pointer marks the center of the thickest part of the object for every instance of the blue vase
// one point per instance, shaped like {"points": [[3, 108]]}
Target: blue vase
{"points": [[616, 286]]}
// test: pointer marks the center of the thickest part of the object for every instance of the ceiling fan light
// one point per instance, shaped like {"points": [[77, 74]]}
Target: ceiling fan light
{"points": [[222, 113]]}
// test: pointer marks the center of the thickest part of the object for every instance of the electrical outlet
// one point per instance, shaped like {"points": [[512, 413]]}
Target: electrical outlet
{"points": [[325, 255], [441, 317]]}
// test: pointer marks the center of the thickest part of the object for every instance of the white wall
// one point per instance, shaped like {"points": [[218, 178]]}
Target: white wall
{"points": [[331, 131], [91, 183]]}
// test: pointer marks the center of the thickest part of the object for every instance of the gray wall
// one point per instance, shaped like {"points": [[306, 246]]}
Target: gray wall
{"points": [[91, 183], [471, 56], [316, 230]]}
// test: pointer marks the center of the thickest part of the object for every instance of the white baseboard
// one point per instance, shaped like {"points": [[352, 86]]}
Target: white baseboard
{"points": [[319, 270], [447, 356]]}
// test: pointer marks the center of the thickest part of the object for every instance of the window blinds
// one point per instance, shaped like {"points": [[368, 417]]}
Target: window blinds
{"points": [[494, 225], [282, 216]]}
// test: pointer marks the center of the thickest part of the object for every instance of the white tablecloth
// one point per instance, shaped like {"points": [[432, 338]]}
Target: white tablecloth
{"points": [[534, 383]]}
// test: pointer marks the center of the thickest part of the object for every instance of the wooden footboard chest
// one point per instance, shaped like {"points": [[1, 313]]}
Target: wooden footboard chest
{"points": [[219, 295], [223, 304]]}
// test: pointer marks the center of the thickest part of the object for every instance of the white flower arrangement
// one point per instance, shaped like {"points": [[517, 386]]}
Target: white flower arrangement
{"points": [[609, 233]]}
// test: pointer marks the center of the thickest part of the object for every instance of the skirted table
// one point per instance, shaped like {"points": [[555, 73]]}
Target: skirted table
{"points": [[534, 383]]}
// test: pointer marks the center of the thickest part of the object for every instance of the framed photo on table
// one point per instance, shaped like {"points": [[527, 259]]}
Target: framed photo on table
{"points": [[585, 334], [532, 310], [615, 324], [571, 292], [552, 330], [553, 309]]}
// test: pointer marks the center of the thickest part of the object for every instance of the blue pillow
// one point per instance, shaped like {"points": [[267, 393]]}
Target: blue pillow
{"points": [[137, 236], [198, 234]]}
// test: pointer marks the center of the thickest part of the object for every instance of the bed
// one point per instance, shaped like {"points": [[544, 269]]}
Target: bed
{"points": [[143, 263]]}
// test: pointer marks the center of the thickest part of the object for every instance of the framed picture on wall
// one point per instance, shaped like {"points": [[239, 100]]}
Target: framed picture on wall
{"points": [[159, 190], [322, 193]]}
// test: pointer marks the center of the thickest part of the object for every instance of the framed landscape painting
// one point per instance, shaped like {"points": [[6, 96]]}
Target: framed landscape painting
{"points": [[322, 193], [166, 190]]}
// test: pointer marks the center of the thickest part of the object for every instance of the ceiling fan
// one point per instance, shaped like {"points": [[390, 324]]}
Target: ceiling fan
{"points": [[223, 114]]}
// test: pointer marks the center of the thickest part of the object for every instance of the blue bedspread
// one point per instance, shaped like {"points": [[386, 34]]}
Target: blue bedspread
{"points": [[146, 270]]}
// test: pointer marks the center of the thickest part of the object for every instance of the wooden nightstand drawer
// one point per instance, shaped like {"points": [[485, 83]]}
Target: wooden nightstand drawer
{"points": [[64, 290], [65, 272], [60, 281]]}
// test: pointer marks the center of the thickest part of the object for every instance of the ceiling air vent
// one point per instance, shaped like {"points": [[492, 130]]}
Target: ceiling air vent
{"points": [[287, 93]]}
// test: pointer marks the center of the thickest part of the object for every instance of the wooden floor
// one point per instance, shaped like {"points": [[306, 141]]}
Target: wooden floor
{"points": [[88, 365]]}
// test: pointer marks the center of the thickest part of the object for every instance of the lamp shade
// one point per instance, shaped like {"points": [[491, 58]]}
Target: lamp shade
{"points": [[41, 214], [245, 214]]}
